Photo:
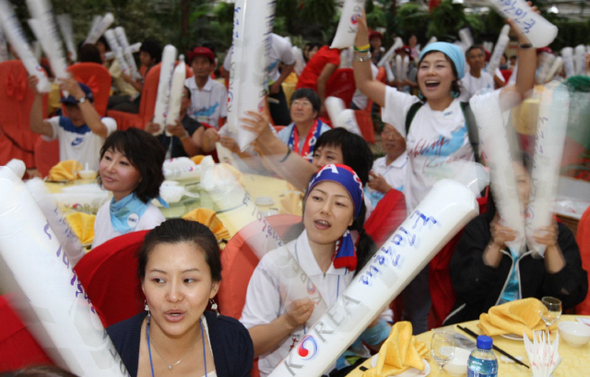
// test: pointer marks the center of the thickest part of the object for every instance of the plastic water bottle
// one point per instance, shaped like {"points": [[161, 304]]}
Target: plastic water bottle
{"points": [[482, 361]]}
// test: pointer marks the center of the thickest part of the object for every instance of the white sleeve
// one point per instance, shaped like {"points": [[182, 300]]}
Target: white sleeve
{"points": [[54, 122], [150, 219], [396, 107], [287, 56], [263, 302]]}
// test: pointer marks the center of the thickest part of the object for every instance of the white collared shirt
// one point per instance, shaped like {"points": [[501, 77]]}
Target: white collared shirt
{"points": [[208, 104]]}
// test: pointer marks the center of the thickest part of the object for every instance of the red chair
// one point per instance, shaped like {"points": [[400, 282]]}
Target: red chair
{"points": [[441, 289], [98, 79], [341, 84], [16, 98], [364, 117], [387, 216], [583, 240], [46, 155], [506, 73], [18, 348], [109, 274], [239, 261], [147, 104]]}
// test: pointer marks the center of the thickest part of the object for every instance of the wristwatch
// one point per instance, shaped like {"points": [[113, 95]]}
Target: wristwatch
{"points": [[82, 100]]}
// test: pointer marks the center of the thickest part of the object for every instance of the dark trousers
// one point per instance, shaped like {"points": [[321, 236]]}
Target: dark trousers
{"points": [[280, 111]]}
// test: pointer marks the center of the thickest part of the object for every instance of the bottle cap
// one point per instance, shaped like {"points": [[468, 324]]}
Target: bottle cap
{"points": [[484, 342]]}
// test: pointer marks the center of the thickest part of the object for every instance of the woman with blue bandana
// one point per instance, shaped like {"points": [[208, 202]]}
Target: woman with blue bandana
{"points": [[131, 168], [326, 252], [434, 126]]}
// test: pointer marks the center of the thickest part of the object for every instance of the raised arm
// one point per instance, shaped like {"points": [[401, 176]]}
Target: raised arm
{"points": [[36, 122], [89, 113], [361, 64]]}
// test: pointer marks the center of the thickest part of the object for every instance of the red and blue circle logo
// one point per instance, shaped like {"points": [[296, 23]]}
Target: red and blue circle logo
{"points": [[310, 287], [354, 19], [307, 348]]}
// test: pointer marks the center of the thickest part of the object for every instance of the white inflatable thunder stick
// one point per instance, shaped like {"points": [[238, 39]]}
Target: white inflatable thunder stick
{"points": [[176, 92], [494, 140], [405, 67], [537, 29], [389, 73], [580, 59], [442, 213], [57, 221], [432, 40], [39, 32], [399, 67], [93, 25], [42, 11], [545, 61], [466, 37], [567, 53], [65, 26], [556, 67], [132, 49], [114, 45], [126, 49], [54, 305], [37, 50], [391, 52], [501, 44], [16, 37], [166, 69], [551, 131], [253, 21], [104, 23], [341, 116], [334, 106], [3, 47], [352, 10], [228, 195], [17, 166]]}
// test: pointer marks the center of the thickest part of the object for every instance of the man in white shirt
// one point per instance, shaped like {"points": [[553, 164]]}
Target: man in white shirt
{"points": [[280, 52], [82, 132], [476, 79], [208, 97]]}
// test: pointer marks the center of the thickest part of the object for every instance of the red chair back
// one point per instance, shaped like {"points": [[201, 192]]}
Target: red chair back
{"points": [[98, 79], [441, 289], [46, 155], [18, 348], [341, 84], [239, 261], [583, 240], [109, 275], [387, 216], [16, 98]]}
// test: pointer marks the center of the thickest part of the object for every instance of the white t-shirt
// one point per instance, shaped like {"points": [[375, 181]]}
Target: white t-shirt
{"points": [[264, 302], [103, 228], [394, 173], [79, 143], [435, 139], [209, 104], [471, 85], [280, 51]]}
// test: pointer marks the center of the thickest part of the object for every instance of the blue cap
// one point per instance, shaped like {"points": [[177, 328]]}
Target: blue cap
{"points": [[453, 52], [484, 342], [73, 101]]}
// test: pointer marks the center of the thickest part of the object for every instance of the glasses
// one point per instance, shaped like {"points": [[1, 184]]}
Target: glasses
{"points": [[442, 347], [298, 102], [551, 311]]}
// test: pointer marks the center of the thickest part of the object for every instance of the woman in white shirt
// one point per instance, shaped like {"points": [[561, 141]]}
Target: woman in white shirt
{"points": [[131, 168], [327, 254]]}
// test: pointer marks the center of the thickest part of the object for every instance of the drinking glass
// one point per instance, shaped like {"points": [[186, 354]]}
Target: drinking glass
{"points": [[442, 347], [551, 311]]}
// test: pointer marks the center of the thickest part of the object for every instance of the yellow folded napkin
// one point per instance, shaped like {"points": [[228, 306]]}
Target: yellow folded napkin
{"points": [[197, 159], [82, 225], [513, 318], [400, 352], [292, 202], [65, 171], [209, 218]]}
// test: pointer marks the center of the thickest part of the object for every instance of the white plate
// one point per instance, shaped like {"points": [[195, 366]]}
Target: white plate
{"points": [[512, 336], [412, 372], [264, 201]]}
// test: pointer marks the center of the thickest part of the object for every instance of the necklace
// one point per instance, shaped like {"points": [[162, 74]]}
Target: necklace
{"points": [[170, 366]]}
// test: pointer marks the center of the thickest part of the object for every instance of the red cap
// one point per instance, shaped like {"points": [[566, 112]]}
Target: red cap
{"points": [[545, 49], [201, 51], [375, 34]]}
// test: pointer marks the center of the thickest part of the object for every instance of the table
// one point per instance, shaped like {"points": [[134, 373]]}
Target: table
{"points": [[574, 361], [232, 218]]}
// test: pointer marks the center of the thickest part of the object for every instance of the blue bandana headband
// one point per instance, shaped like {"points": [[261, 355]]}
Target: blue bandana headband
{"points": [[451, 51], [346, 177]]}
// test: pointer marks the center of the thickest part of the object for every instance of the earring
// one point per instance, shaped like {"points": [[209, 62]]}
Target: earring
{"points": [[214, 306], [420, 95], [146, 306], [454, 94]]}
